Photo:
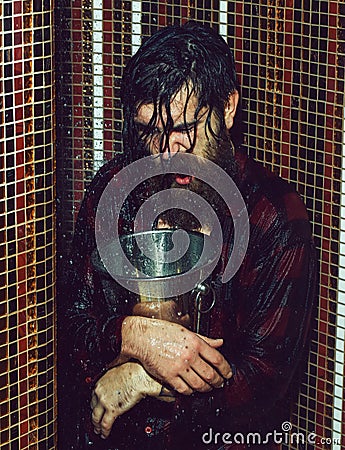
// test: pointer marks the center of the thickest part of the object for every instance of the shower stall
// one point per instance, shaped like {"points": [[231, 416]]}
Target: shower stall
{"points": [[60, 119]]}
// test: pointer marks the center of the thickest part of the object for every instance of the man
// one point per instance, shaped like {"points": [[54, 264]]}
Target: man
{"points": [[180, 95]]}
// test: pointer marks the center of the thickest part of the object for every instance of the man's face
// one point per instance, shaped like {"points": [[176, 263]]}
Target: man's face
{"points": [[186, 127], [189, 133]]}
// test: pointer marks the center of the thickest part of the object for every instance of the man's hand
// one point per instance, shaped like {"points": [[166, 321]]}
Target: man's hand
{"points": [[117, 392], [176, 356]]}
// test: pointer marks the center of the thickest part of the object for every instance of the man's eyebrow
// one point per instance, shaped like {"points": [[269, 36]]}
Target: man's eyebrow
{"points": [[185, 125], [188, 125], [178, 127]]}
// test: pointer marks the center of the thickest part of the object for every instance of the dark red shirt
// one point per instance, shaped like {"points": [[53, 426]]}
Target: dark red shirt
{"points": [[263, 313]]}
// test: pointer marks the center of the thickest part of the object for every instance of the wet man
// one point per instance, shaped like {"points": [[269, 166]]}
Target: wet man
{"points": [[180, 95]]}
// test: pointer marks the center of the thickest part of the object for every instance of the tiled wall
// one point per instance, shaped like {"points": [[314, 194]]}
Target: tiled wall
{"points": [[291, 58], [27, 226]]}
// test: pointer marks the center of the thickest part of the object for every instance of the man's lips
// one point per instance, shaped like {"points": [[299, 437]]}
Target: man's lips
{"points": [[183, 179]]}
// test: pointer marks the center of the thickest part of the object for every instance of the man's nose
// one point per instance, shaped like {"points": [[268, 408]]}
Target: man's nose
{"points": [[178, 142]]}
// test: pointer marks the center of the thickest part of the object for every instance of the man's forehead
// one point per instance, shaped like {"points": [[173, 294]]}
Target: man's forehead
{"points": [[182, 105]]}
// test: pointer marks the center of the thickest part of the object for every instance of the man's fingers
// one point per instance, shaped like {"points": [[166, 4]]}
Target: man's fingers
{"points": [[97, 415], [208, 373], [107, 423], [102, 420], [215, 343], [201, 378], [182, 387], [217, 360], [195, 381], [211, 355], [94, 400]]}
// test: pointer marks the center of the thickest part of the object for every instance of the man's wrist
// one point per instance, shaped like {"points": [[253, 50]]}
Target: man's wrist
{"points": [[131, 332]]}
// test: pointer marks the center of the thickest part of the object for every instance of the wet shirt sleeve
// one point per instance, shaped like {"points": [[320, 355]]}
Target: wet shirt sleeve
{"points": [[92, 322], [267, 310]]}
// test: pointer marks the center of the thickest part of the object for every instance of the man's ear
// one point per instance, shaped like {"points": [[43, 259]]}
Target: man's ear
{"points": [[230, 109]]}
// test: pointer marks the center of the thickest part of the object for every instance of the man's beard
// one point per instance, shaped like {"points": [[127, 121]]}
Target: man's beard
{"points": [[220, 153]]}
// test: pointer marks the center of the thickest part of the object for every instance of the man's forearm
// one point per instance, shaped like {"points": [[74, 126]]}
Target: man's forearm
{"points": [[133, 327], [175, 355]]}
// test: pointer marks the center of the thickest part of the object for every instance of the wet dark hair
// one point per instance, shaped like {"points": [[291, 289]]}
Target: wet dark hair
{"points": [[191, 56]]}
